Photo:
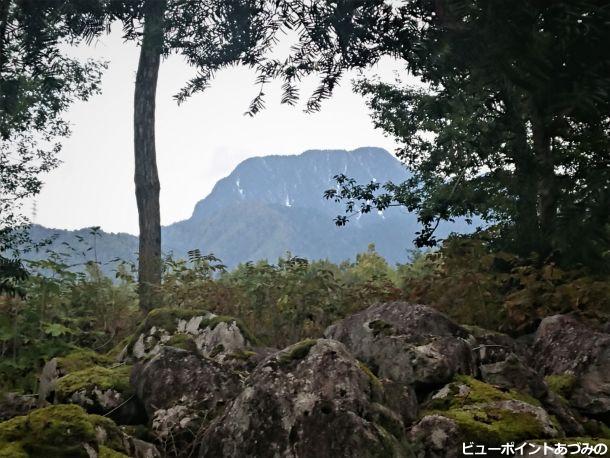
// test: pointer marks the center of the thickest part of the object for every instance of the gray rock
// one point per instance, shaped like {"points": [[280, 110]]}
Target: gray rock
{"points": [[566, 346], [312, 399], [222, 339], [15, 404], [512, 373], [492, 347], [436, 437], [407, 343], [180, 391]]}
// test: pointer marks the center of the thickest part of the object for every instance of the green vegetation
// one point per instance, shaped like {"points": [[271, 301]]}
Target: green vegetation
{"points": [[561, 384], [94, 377], [296, 352], [59, 430], [473, 405], [466, 390], [80, 316]]}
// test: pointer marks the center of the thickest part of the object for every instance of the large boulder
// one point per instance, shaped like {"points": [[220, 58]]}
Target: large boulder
{"points": [[221, 338], [436, 437], [576, 360], [181, 391], [312, 399], [58, 367], [513, 373], [103, 391], [65, 431], [408, 343], [92, 381], [492, 347], [483, 414]]}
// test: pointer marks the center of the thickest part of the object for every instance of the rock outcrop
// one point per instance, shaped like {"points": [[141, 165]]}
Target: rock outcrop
{"points": [[394, 380], [67, 431], [223, 339], [56, 368], [576, 360], [92, 381], [181, 391], [485, 414], [409, 343], [312, 399]]}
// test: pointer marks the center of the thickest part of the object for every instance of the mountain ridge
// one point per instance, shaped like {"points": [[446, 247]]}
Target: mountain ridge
{"points": [[270, 205]]}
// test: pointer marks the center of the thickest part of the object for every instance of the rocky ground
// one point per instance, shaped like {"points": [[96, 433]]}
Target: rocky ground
{"points": [[395, 380]]}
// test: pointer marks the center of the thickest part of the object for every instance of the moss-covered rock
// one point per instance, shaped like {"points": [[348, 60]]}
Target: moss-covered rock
{"points": [[93, 377], [561, 384], [466, 390], [295, 352], [58, 367], [183, 341], [82, 359], [211, 335], [564, 344], [58, 431], [101, 390], [486, 415]]}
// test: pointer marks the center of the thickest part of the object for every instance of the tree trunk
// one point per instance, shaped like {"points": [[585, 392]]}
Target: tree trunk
{"points": [[547, 192], [146, 177], [527, 231]]}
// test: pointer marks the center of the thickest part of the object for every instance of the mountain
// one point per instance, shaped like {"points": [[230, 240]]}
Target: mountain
{"points": [[271, 205]]}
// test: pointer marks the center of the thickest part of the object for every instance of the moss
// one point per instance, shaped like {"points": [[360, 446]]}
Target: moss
{"points": [[561, 384], [296, 352], [243, 355], [375, 383], [55, 431], [387, 419], [478, 393], [167, 318], [381, 327], [596, 428], [183, 341], [101, 377], [215, 321], [390, 445], [479, 419], [12, 450], [492, 426], [82, 359], [106, 452], [114, 435], [115, 351]]}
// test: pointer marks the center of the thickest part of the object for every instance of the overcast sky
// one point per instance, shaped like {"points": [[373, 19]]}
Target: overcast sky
{"points": [[198, 142]]}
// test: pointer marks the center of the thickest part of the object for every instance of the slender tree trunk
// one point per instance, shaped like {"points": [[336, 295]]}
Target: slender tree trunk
{"points": [[146, 176], [527, 230], [547, 192]]}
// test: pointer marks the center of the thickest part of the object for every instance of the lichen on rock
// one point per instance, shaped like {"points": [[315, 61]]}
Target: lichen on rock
{"points": [[486, 415], [210, 335], [311, 399], [406, 343]]}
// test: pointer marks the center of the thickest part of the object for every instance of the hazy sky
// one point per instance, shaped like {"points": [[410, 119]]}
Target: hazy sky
{"points": [[198, 142]]}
